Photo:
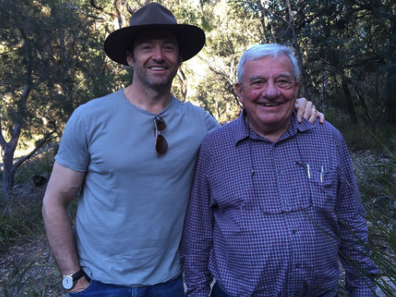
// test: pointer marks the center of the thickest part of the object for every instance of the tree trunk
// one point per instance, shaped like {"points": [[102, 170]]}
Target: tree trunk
{"points": [[362, 101], [8, 158], [296, 45], [183, 84], [390, 102], [8, 172], [348, 101], [9, 167], [323, 91]]}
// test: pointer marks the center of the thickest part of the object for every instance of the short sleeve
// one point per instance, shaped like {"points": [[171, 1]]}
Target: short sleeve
{"points": [[210, 122], [73, 151]]}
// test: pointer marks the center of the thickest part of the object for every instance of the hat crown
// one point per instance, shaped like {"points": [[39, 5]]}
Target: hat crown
{"points": [[152, 13], [153, 16]]}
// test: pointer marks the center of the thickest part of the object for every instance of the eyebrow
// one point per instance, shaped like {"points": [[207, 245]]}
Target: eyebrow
{"points": [[286, 74]]}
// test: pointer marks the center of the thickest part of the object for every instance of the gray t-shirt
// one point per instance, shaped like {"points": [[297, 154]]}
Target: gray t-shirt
{"points": [[132, 206]]}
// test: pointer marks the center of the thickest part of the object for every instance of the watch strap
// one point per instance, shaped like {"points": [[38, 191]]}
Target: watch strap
{"points": [[79, 274]]}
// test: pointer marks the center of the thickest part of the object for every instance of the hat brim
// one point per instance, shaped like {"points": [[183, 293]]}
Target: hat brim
{"points": [[191, 40]]}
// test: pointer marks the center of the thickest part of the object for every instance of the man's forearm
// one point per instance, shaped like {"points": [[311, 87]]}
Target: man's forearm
{"points": [[60, 238], [62, 189]]}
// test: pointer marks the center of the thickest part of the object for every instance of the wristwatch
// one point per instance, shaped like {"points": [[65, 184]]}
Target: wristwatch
{"points": [[69, 280]]}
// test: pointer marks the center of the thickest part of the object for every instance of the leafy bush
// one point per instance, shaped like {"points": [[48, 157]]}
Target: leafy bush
{"points": [[376, 174], [40, 165], [19, 220]]}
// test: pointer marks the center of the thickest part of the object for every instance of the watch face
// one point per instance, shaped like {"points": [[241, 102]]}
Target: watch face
{"points": [[67, 282]]}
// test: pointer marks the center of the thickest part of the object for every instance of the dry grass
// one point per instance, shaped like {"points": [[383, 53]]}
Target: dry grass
{"points": [[26, 265]]}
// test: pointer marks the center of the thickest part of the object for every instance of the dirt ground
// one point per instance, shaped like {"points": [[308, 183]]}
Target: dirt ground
{"points": [[28, 268]]}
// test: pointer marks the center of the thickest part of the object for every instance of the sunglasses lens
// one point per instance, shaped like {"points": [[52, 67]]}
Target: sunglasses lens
{"points": [[161, 125], [161, 145]]}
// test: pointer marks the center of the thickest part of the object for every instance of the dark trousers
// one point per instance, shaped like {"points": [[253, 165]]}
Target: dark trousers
{"points": [[218, 292]]}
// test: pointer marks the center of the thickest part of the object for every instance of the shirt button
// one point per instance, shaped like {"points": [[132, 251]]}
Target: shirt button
{"points": [[298, 265], [294, 231]]}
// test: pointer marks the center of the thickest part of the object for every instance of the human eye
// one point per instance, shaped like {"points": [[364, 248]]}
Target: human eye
{"points": [[258, 83], [145, 47], [283, 82], [169, 47]]}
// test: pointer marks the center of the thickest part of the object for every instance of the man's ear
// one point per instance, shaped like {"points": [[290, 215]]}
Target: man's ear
{"points": [[129, 59], [238, 90], [297, 86]]}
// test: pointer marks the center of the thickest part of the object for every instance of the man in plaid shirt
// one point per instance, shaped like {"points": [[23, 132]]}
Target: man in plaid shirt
{"points": [[274, 204]]}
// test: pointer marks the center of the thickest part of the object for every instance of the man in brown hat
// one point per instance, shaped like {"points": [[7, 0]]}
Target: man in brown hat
{"points": [[131, 158]]}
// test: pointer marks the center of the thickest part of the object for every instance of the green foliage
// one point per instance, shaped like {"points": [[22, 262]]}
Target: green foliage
{"points": [[364, 135], [51, 62], [347, 51], [345, 48], [21, 222], [375, 169], [40, 165], [18, 221], [20, 213]]}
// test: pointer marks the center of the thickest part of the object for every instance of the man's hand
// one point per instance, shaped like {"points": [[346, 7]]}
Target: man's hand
{"points": [[80, 285], [307, 110]]}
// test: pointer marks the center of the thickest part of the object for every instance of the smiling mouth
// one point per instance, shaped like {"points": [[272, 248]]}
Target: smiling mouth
{"points": [[269, 104], [157, 68]]}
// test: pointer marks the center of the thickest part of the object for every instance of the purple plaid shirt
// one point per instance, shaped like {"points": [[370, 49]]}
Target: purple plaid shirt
{"points": [[273, 219]]}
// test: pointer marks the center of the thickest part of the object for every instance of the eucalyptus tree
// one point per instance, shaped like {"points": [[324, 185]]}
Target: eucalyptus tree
{"points": [[234, 25], [229, 31], [383, 36], [347, 52], [345, 49], [50, 62]]}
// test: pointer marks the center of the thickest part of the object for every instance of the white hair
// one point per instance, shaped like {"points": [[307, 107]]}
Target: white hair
{"points": [[259, 51]]}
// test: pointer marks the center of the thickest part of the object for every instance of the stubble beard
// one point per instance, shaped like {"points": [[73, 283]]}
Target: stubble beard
{"points": [[154, 84]]}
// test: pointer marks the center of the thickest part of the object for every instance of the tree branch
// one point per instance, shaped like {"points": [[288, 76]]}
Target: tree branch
{"points": [[40, 143], [83, 12]]}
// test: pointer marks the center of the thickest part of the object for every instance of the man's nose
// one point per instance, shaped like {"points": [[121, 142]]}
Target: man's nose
{"points": [[270, 91], [158, 54]]}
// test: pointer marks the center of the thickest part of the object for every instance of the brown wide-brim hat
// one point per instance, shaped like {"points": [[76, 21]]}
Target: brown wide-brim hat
{"points": [[154, 16]]}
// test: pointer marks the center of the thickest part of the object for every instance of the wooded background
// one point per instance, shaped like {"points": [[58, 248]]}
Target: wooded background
{"points": [[52, 60]]}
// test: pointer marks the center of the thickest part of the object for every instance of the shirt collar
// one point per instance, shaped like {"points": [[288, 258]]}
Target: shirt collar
{"points": [[243, 131]]}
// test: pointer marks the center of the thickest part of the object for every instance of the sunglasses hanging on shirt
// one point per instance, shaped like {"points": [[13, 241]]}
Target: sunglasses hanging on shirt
{"points": [[161, 145]]}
